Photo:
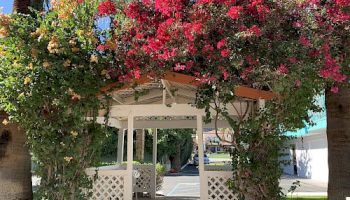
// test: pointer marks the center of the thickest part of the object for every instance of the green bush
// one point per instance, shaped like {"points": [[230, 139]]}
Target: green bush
{"points": [[160, 170]]}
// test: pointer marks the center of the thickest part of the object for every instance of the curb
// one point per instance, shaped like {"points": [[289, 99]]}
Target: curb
{"points": [[185, 165], [296, 194]]}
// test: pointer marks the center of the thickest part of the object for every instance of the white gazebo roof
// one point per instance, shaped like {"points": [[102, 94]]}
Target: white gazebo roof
{"points": [[168, 102]]}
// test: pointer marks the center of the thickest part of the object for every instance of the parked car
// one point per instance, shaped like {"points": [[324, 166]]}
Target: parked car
{"points": [[196, 160]]}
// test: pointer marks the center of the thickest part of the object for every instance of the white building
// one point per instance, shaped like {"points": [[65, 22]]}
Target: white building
{"points": [[309, 150]]}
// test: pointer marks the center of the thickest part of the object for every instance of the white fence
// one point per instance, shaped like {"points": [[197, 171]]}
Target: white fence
{"points": [[147, 180], [216, 185], [110, 182], [108, 185]]}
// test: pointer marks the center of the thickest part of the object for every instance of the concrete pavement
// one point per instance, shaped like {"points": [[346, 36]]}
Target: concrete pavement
{"points": [[187, 184]]}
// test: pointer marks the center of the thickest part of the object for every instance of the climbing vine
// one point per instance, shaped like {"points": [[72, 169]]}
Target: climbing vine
{"points": [[50, 78]]}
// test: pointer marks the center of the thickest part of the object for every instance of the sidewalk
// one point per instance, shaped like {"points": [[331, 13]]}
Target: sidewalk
{"points": [[307, 187]]}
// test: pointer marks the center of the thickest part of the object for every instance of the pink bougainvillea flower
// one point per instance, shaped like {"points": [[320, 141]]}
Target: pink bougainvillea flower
{"points": [[255, 30], [106, 8], [282, 69], [132, 10], [304, 41], [225, 53], [179, 67], [338, 77], [342, 2], [334, 89], [137, 73], [167, 7], [298, 24], [242, 28], [234, 12], [200, 2], [226, 74], [246, 72], [221, 43], [293, 60], [102, 47], [251, 60], [146, 2], [297, 83]]}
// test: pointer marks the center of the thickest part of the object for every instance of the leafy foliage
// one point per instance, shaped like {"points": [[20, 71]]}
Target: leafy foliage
{"points": [[170, 141], [50, 76]]}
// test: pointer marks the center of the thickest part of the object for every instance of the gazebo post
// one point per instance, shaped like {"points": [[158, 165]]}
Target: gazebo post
{"points": [[154, 183], [129, 166], [202, 178], [120, 155], [155, 133]]}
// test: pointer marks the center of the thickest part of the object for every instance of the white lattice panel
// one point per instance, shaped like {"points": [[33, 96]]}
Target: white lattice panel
{"points": [[217, 186], [109, 185], [146, 181]]}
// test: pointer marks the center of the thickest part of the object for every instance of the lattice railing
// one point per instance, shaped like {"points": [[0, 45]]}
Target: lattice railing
{"points": [[147, 180], [109, 185], [217, 185]]}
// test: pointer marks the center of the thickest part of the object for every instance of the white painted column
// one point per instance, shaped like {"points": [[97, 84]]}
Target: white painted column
{"points": [[129, 166], [120, 146], [154, 184], [155, 132], [202, 176]]}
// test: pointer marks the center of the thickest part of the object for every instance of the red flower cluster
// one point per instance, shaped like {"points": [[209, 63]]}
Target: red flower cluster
{"points": [[282, 69], [225, 53], [226, 40], [106, 8], [234, 12], [221, 43], [304, 41], [343, 2]]}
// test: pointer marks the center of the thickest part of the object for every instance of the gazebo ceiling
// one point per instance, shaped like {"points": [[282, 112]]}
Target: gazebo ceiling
{"points": [[167, 102], [171, 88], [154, 92]]}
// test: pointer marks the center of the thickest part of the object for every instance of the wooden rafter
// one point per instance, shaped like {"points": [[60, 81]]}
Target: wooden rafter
{"points": [[240, 91]]}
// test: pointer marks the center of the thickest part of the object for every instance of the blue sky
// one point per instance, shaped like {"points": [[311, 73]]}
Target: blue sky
{"points": [[7, 5]]}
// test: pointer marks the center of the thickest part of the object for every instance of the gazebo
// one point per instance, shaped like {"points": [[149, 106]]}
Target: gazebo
{"points": [[165, 103]]}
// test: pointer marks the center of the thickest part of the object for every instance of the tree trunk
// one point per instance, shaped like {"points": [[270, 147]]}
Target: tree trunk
{"points": [[176, 159], [21, 6], [38, 4], [15, 163], [140, 145], [15, 160], [338, 136]]}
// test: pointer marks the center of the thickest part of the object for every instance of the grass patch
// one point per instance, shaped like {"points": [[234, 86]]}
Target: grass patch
{"points": [[306, 198], [219, 155]]}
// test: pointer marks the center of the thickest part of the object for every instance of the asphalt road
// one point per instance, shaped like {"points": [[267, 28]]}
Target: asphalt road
{"points": [[186, 184]]}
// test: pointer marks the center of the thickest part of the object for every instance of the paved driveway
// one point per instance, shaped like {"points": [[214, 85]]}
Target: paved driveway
{"points": [[187, 184]]}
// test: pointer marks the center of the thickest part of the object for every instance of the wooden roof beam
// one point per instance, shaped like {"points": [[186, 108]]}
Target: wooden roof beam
{"points": [[240, 91]]}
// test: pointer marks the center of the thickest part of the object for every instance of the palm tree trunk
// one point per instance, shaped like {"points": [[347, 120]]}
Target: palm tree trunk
{"points": [[38, 4], [15, 160], [338, 134], [15, 163], [21, 6], [140, 145]]}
